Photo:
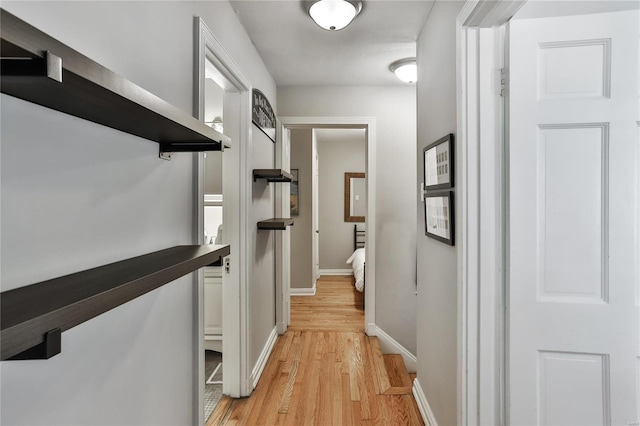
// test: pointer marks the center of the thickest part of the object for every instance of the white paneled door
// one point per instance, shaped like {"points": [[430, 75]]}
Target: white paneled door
{"points": [[574, 221]]}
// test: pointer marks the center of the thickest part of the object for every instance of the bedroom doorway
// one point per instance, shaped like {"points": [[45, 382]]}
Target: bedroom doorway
{"points": [[329, 165], [289, 127]]}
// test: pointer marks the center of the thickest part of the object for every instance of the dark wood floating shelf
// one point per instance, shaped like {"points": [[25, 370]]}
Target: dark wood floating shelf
{"points": [[39, 69], [276, 224], [272, 175], [33, 317]]}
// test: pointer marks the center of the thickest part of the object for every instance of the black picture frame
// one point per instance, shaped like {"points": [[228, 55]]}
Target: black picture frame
{"points": [[439, 217], [439, 161]]}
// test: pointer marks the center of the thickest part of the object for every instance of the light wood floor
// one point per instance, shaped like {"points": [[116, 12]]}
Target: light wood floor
{"points": [[336, 306], [326, 371]]}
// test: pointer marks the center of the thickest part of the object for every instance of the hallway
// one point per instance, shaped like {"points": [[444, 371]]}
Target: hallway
{"points": [[326, 371]]}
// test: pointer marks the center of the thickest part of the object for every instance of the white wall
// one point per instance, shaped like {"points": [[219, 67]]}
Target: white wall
{"points": [[213, 173], [338, 153], [394, 110], [301, 256], [77, 195], [262, 314], [437, 270]]}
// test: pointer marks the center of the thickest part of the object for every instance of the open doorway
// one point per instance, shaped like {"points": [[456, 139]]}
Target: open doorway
{"points": [[214, 95], [329, 165], [322, 126], [223, 194], [322, 240]]}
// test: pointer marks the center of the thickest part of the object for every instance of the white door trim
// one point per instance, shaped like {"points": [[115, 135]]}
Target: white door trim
{"points": [[315, 210], [369, 124], [237, 189], [480, 197], [283, 238]]}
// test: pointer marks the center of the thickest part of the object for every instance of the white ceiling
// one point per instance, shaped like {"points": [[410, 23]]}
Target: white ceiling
{"points": [[299, 53]]}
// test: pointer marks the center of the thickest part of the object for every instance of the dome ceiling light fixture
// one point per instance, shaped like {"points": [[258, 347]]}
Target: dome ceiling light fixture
{"points": [[333, 15], [405, 69]]}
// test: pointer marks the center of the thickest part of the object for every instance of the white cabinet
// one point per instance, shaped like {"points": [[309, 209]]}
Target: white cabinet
{"points": [[213, 308]]}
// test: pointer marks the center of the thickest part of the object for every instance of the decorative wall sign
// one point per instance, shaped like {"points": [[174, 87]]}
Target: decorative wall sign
{"points": [[439, 217], [262, 114], [438, 164], [294, 200]]}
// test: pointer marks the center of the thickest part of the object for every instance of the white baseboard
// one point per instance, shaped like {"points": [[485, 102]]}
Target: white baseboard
{"points": [[302, 291], [370, 329], [389, 345], [264, 357], [423, 405], [336, 271]]}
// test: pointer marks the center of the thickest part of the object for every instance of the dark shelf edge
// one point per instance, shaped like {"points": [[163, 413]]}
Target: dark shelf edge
{"points": [[275, 224], [30, 313], [92, 92], [272, 175]]}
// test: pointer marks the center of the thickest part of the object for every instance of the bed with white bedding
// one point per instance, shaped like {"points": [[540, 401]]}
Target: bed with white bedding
{"points": [[357, 263], [357, 259]]}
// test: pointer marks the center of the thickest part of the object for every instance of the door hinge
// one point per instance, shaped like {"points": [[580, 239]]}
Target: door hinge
{"points": [[422, 190], [502, 82], [227, 265]]}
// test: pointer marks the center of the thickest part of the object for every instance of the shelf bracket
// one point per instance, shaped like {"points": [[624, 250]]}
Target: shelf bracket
{"points": [[50, 66], [168, 148], [51, 346]]}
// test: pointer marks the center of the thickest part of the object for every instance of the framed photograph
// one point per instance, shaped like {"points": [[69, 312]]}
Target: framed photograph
{"points": [[294, 199], [438, 164], [439, 217]]}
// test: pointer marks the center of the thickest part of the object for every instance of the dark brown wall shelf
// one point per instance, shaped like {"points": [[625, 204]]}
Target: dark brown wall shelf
{"points": [[276, 224], [33, 317], [272, 175], [39, 69]]}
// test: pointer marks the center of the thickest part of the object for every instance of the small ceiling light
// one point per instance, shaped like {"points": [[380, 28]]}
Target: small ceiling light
{"points": [[333, 15], [405, 69]]}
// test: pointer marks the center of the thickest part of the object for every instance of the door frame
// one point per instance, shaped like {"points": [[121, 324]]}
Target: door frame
{"points": [[283, 151], [482, 117], [237, 191], [315, 209]]}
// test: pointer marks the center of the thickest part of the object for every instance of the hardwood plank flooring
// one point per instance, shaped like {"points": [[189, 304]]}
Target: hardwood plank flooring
{"points": [[321, 372], [336, 306]]}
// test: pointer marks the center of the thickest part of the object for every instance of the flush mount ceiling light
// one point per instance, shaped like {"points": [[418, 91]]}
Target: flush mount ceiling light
{"points": [[405, 69], [333, 15]]}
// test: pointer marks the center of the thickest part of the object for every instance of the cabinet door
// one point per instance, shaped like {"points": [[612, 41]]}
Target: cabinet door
{"points": [[213, 301]]}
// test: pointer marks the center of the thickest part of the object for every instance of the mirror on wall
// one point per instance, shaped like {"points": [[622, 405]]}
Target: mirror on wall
{"points": [[355, 197]]}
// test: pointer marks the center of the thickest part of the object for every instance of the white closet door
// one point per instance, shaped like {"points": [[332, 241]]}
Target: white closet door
{"points": [[574, 282]]}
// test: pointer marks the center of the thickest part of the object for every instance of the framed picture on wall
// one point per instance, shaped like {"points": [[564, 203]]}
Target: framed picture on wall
{"points": [[439, 217], [294, 198], [438, 164]]}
